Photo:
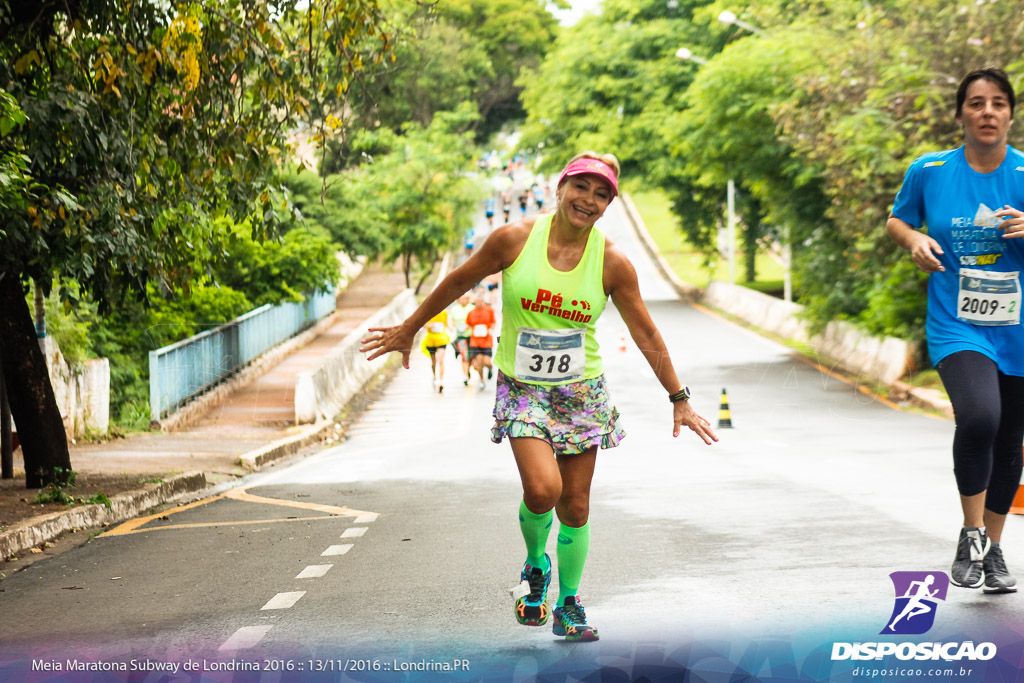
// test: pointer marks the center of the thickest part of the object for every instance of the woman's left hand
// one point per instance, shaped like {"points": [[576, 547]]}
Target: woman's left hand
{"points": [[1013, 226], [684, 414], [382, 340]]}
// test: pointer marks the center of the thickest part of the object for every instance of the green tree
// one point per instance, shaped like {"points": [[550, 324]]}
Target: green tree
{"points": [[515, 35], [348, 213], [271, 272], [728, 132], [145, 122], [612, 82], [424, 189], [861, 117]]}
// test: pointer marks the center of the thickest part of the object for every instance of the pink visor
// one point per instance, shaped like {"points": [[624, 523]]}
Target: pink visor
{"points": [[581, 166]]}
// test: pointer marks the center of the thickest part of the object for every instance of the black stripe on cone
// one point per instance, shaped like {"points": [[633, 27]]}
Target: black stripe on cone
{"points": [[724, 418]]}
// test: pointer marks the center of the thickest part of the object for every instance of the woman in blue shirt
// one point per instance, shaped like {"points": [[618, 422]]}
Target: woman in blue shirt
{"points": [[970, 199]]}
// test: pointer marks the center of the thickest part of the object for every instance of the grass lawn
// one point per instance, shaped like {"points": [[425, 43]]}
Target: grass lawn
{"points": [[688, 262]]}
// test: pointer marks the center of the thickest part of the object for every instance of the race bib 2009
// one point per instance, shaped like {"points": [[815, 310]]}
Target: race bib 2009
{"points": [[989, 298]]}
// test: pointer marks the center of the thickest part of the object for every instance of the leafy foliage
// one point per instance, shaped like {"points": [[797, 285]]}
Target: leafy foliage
{"points": [[816, 116], [348, 213], [148, 122], [275, 271], [425, 197], [57, 492]]}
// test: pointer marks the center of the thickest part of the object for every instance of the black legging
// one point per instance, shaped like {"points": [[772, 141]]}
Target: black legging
{"points": [[989, 410]]}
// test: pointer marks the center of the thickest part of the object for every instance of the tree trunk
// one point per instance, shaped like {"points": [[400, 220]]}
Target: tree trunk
{"points": [[6, 435], [427, 274], [752, 220], [40, 427]]}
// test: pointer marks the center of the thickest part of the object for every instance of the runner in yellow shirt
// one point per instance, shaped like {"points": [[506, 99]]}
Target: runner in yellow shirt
{"points": [[434, 343]]}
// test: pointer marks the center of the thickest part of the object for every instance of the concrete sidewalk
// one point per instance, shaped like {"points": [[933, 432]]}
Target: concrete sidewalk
{"points": [[251, 426]]}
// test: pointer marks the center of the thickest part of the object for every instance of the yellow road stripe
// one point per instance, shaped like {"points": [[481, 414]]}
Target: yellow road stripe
{"points": [[132, 524], [243, 495], [197, 525], [239, 494]]}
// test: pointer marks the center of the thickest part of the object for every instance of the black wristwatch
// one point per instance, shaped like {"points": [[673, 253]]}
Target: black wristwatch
{"points": [[681, 395]]}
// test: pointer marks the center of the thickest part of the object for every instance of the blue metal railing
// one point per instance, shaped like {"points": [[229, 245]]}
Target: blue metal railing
{"points": [[186, 369]]}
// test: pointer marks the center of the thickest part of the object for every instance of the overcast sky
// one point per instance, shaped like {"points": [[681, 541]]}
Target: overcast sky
{"points": [[570, 17]]}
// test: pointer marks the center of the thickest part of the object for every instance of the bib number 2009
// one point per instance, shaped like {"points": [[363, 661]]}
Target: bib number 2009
{"points": [[989, 298], [983, 307]]}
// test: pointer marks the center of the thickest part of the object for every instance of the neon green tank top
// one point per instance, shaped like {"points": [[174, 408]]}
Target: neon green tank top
{"points": [[549, 316]]}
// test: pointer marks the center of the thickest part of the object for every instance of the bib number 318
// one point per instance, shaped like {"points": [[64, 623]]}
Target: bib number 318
{"points": [[550, 355], [989, 298]]}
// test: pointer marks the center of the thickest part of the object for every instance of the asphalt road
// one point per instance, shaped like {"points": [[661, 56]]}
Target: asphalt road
{"points": [[764, 548]]}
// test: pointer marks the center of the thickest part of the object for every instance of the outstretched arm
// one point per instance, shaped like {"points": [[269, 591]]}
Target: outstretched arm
{"points": [[490, 258], [621, 284]]}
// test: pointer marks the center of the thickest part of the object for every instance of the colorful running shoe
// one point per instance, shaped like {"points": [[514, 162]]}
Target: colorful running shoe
{"points": [[997, 579], [971, 549], [532, 610], [571, 621]]}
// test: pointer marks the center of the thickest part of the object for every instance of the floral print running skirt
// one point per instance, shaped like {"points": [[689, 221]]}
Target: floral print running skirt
{"points": [[571, 417]]}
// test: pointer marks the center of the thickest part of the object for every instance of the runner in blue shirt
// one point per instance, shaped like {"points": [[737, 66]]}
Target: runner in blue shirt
{"points": [[489, 210], [970, 199]]}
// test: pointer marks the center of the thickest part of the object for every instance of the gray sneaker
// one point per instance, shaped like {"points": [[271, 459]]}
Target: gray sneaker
{"points": [[968, 570], [997, 579]]}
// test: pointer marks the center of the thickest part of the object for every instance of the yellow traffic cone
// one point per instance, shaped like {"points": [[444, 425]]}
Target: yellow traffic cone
{"points": [[724, 418]]}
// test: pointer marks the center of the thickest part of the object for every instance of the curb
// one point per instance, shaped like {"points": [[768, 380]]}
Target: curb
{"points": [[38, 530], [685, 290], [925, 398], [255, 460], [928, 399]]}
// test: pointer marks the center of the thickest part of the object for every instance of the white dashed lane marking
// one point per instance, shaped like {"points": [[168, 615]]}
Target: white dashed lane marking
{"points": [[354, 532], [283, 600], [314, 571], [336, 550], [249, 636], [244, 638]]}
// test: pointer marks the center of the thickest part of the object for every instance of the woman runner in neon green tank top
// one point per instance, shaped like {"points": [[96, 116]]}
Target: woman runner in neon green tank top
{"points": [[558, 270]]}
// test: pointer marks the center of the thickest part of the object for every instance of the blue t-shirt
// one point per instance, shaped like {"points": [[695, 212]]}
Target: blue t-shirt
{"points": [[942, 191]]}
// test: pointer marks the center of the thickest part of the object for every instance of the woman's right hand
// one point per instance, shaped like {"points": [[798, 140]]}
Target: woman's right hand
{"points": [[923, 249], [383, 340]]}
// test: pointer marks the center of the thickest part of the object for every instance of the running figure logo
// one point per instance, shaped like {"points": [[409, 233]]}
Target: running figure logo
{"points": [[917, 594]]}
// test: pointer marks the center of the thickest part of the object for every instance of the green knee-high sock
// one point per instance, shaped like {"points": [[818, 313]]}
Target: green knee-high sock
{"points": [[535, 530], [573, 545]]}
